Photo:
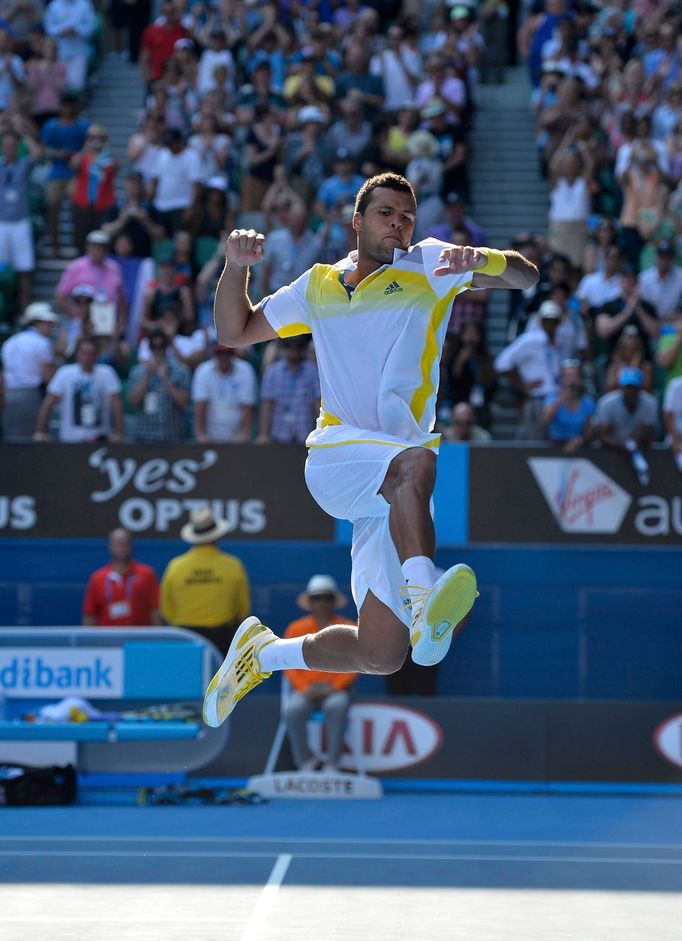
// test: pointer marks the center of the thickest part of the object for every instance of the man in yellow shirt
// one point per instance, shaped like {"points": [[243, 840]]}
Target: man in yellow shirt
{"points": [[205, 590]]}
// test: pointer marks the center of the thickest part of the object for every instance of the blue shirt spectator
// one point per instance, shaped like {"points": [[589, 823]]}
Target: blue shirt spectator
{"points": [[290, 395]]}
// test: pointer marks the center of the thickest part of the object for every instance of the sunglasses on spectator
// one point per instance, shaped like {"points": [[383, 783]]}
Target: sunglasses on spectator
{"points": [[325, 596], [465, 424], [157, 346], [82, 300]]}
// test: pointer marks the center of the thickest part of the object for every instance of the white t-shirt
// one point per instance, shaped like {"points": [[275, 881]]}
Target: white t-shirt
{"points": [[210, 59], [84, 406], [23, 357], [226, 395], [378, 351], [176, 175], [535, 359], [597, 289], [672, 402], [398, 87], [147, 161], [569, 202]]}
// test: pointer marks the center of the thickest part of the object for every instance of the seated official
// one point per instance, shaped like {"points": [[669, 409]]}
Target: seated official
{"points": [[314, 689]]}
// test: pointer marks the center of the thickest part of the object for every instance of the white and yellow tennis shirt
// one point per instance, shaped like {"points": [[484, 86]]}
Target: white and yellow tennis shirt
{"points": [[378, 347]]}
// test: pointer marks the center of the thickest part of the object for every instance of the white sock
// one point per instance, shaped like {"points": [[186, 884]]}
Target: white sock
{"points": [[283, 654], [419, 571]]}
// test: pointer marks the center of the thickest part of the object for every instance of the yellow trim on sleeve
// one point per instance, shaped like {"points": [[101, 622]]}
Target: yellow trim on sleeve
{"points": [[293, 330]]}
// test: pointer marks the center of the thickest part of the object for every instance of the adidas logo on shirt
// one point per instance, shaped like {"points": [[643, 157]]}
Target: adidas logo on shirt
{"points": [[393, 288]]}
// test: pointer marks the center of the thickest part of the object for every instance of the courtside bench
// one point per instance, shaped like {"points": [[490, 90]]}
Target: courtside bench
{"points": [[116, 670]]}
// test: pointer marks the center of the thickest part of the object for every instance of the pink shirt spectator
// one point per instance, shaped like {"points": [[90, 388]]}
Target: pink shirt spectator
{"points": [[46, 82], [452, 90], [105, 280]]}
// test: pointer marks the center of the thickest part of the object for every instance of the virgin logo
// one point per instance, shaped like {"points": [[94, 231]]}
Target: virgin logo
{"points": [[582, 498], [382, 737], [668, 740], [574, 504]]}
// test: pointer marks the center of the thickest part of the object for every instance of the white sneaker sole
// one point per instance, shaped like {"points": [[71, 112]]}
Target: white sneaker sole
{"points": [[449, 602], [215, 690]]}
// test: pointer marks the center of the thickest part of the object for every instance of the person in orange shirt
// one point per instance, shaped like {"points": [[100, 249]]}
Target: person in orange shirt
{"points": [[312, 689]]}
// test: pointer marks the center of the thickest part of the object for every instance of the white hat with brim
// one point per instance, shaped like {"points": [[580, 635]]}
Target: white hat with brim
{"points": [[39, 310], [550, 310], [321, 585], [203, 528], [97, 237]]}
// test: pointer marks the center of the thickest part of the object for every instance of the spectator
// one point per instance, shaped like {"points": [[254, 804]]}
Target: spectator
{"points": [[89, 397], [669, 350], [351, 132], [469, 372], [145, 146], [313, 690], [262, 150], [456, 220], [213, 148], [568, 414], [290, 250], [176, 182], [626, 310], [599, 288], [137, 219], [46, 83], [629, 351], [425, 173], [661, 285], [216, 214], [445, 86], [72, 24], [215, 53], [598, 244], [62, 138], [339, 188], [355, 79], [123, 593], [452, 150], [290, 395], [158, 41], [532, 364], [112, 350], [627, 420], [159, 393], [94, 195], [672, 418], [28, 364], [303, 158], [399, 66], [12, 71], [224, 392], [570, 184], [169, 290], [100, 273], [463, 426], [205, 590], [133, 14], [16, 232]]}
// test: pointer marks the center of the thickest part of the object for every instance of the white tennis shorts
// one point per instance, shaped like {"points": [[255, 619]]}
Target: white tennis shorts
{"points": [[16, 245], [344, 471]]}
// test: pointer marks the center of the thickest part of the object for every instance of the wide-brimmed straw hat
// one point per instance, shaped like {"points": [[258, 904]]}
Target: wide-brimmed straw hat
{"points": [[321, 585], [203, 528]]}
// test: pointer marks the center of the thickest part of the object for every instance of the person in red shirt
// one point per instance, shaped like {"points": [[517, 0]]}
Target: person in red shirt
{"points": [[313, 689], [124, 593], [158, 41]]}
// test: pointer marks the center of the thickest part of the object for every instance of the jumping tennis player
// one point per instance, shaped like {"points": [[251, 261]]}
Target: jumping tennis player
{"points": [[378, 320]]}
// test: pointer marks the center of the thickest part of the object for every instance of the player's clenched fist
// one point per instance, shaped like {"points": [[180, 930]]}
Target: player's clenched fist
{"points": [[458, 259], [244, 247]]}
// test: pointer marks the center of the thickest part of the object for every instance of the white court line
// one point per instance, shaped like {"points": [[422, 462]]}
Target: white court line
{"points": [[452, 857], [341, 841], [266, 899]]}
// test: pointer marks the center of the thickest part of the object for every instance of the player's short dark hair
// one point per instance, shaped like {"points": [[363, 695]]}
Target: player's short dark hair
{"points": [[388, 181]]}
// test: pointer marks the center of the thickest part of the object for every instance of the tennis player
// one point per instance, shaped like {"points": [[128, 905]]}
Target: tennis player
{"points": [[378, 320]]}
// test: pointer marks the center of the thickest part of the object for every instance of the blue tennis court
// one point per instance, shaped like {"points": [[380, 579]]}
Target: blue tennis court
{"points": [[479, 867]]}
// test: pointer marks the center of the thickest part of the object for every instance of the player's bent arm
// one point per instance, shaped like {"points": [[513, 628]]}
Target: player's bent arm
{"points": [[518, 274], [237, 321]]}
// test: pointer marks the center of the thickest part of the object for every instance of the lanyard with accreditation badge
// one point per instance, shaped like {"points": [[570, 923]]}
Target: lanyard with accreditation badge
{"points": [[118, 609]]}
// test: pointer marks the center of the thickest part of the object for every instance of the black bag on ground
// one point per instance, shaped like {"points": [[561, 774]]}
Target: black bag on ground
{"points": [[23, 786]]}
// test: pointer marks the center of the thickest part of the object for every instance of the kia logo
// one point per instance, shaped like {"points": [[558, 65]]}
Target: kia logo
{"points": [[381, 737], [668, 740]]}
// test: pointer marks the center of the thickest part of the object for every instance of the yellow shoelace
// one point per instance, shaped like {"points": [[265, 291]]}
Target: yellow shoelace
{"points": [[414, 594]]}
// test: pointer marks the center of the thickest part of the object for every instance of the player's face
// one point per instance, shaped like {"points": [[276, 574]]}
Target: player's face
{"points": [[386, 224]]}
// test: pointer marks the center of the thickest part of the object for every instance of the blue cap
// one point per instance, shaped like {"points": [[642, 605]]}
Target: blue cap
{"points": [[630, 376]]}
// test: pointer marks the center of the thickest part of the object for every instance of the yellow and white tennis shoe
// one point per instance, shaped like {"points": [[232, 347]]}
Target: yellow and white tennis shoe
{"points": [[438, 613], [239, 673]]}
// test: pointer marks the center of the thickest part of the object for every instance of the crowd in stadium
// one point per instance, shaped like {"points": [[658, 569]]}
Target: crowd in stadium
{"points": [[270, 116]]}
